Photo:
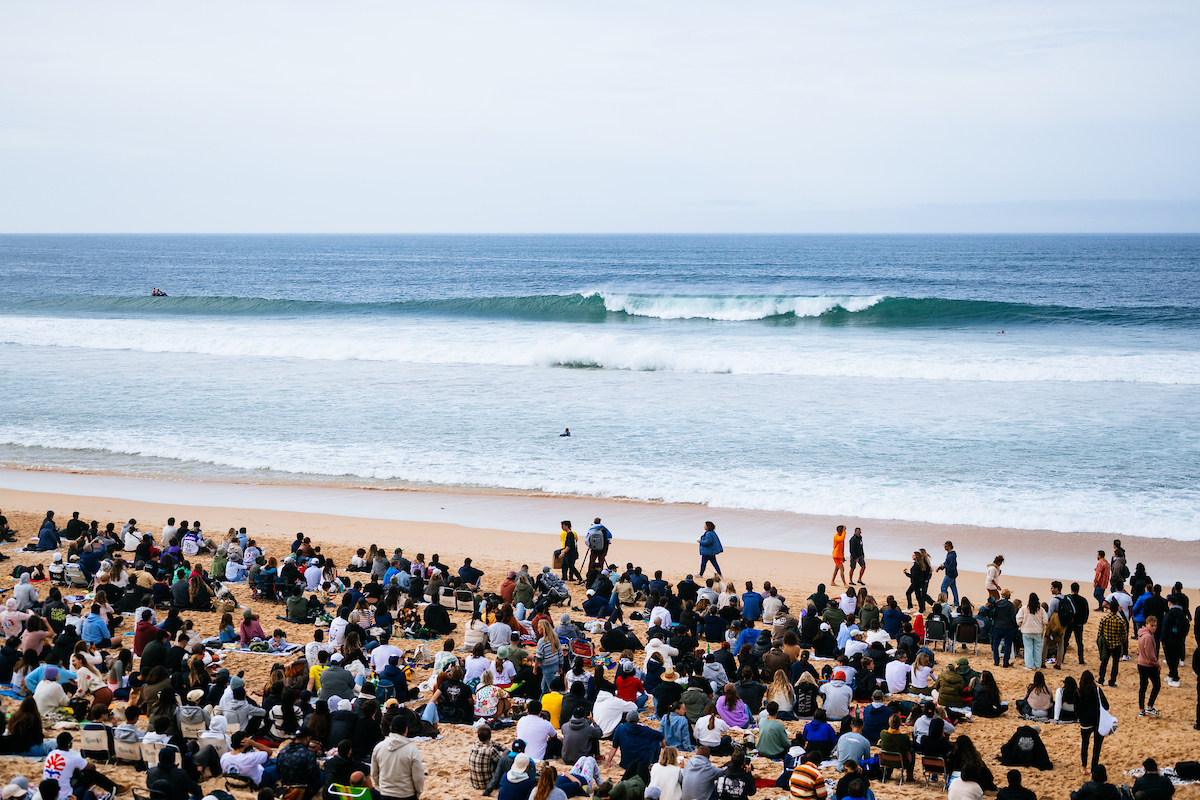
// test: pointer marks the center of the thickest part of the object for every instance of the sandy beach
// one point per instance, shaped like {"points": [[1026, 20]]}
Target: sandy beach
{"points": [[523, 529]]}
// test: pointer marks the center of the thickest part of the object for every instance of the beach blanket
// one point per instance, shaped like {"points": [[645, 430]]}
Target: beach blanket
{"points": [[291, 648], [7, 692], [1165, 771]]}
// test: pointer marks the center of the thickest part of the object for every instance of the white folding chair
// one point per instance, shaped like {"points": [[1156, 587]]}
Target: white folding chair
{"points": [[95, 740], [192, 729], [127, 752], [150, 752]]}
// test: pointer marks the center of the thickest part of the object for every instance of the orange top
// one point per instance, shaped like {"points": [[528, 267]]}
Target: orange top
{"points": [[839, 545]]}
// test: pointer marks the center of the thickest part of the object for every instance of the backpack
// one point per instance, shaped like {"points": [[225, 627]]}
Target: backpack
{"points": [[1124, 572], [1066, 612], [1176, 627], [596, 539]]}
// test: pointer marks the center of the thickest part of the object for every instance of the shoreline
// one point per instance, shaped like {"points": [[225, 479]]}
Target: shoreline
{"points": [[1029, 554]]}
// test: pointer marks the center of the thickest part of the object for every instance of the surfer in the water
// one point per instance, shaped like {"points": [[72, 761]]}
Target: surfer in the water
{"points": [[567, 432]]}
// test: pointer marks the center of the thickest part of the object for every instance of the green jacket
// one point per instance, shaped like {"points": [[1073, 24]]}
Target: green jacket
{"points": [[773, 739]]}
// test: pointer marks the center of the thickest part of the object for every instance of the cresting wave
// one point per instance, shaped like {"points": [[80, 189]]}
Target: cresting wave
{"points": [[605, 306]]}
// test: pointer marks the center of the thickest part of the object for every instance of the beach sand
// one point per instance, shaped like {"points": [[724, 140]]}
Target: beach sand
{"points": [[495, 550]]}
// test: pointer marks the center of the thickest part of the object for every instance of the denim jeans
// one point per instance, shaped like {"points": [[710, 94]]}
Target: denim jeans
{"points": [[1033, 649], [950, 585], [1002, 641]]}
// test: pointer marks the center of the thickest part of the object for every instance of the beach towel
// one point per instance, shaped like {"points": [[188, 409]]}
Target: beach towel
{"points": [[291, 648]]}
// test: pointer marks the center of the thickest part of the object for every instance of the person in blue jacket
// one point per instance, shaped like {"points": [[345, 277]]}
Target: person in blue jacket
{"points": [[950, 565], [48, 535], [95, 630], [710, 548]]}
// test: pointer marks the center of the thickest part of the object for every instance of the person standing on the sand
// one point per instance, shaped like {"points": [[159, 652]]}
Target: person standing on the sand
{"points": [[839, 556], [710, 548]]}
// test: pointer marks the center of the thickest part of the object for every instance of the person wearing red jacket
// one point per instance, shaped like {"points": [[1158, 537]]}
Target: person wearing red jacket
{"points": [[143, 633]]}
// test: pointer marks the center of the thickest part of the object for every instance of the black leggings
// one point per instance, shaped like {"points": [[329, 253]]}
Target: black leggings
{"points": [[1148, 675], [1086, 734], [920, 590]]}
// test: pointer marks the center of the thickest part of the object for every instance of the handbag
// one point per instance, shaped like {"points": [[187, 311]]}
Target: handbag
{"points": [[1107, 723]]}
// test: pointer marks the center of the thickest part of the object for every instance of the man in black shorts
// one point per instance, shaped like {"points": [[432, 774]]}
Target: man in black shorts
{"points": [[857, 557]]}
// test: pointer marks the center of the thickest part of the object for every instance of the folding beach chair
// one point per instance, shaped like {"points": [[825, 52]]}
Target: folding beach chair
{"points": [[93, 743], [464, 600], [584, 649], [933, 767], [220, 745], [127, 752], [73, 576], [935, 631], [891, 760], [150, 752], [964, 634], [192, 729]]}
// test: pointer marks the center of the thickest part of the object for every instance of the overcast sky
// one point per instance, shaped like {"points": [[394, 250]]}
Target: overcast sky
{"points": [[603, 116]]}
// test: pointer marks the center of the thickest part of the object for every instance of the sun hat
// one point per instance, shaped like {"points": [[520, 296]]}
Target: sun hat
{"points": [[670, 675], [195, 695], [518, 774]]}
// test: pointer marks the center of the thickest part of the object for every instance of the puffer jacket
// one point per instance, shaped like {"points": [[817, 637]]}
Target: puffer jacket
{"points": [[48, 536], [950, 687]]}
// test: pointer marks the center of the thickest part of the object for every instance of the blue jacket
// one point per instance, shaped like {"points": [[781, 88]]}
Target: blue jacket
{"points": [[95, 629], [710, 544], [677, 733], [751, 605], [47, 536], [747, 636], [951, 565], [36, 676], [892, 620], [1139, 613]]}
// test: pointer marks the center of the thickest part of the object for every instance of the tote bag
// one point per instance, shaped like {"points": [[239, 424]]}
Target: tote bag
{"points": [[1107, 723]]}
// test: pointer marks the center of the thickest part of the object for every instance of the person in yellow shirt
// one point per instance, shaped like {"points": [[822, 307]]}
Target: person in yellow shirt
{"points": [[552, 701], [839, 556], [314, 672]]}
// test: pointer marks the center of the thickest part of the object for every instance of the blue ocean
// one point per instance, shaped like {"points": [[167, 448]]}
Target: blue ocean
{"points": [[1020, 381]]}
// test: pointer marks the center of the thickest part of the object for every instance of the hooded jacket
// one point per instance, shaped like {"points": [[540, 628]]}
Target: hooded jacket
{"points": [[699, 777], [396, 767], [95, 629], [25, 593], [192, 715], [48, 536]]}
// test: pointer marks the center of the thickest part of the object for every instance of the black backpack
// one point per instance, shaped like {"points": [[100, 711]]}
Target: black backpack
{"points": [[1175, 627], [1066, 612]]}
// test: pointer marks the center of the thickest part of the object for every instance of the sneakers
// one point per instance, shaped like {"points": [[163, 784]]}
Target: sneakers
{"points": [[1151, 712], [1142, 713], [1124, 658], [1173, 684], [1112, 684]]}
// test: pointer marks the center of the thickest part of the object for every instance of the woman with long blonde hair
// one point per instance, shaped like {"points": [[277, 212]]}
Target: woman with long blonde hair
{"points": [[782, 693], [667, 776], [548, 654]]}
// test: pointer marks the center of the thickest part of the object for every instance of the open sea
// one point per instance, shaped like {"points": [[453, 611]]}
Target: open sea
{"points": [[1020, 381]]}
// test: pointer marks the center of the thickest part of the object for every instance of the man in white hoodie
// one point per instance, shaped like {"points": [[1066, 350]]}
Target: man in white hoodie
{"points": [[397, 771]]}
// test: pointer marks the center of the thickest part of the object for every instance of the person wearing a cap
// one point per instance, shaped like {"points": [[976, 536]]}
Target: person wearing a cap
{"points": [[14, 791], [637, 743], [336, 679], [518, 783], [875, 715], [297, 761], [837, 696]]}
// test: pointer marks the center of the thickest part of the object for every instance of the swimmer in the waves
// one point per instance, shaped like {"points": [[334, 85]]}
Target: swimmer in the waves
{"points": [[567, 432]]}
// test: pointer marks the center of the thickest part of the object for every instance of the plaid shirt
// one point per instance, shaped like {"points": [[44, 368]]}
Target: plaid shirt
{"points": [[483, 759], [1114, 629]]}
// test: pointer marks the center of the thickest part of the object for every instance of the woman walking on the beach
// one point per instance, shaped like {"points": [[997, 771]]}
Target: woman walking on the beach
{"points": [[992, 584], [917, 581], [710, 548], [1087, 709]]}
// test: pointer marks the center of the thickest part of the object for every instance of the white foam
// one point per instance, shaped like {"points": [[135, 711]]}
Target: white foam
{"points": [[910, 356], [730, 308]]}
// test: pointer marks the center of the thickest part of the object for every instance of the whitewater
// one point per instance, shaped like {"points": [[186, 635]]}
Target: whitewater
{"points": [[1028, 382]]}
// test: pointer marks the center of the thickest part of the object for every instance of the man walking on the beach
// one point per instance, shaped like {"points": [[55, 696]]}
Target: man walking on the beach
{"points": [[1100, 580], [839, 556], [857, 556], [950, 565], [597, 546]]}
